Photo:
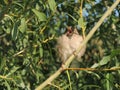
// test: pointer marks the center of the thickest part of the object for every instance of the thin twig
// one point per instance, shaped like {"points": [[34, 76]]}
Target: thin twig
{"points": [[48, 39], [55, 86], [4, 77], [93, 69], [16, 54]]}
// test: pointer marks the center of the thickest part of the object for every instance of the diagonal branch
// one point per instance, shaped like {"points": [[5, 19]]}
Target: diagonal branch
{"points": [[67, 63]]}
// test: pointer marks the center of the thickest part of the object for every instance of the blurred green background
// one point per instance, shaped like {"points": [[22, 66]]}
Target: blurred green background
{"points": [[28, 33]]}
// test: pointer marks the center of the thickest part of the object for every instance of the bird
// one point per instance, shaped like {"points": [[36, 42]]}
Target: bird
{"points": [[68, 43]]}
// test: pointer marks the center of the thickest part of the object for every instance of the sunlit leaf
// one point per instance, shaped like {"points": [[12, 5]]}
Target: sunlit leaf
{"points": [[6, 1], [14, 69], [109, 81], [104, 61], [52, 5], [23, 25], [40, 15], [7, 85], [81, 22]]}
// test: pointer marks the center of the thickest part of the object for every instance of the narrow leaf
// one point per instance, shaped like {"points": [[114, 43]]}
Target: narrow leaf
{"points": [[52, 5], [105, 60], [23, 25], [7, 85], [115, 52], [40, 15], [102, 62], [14, 69], [15, 31]]}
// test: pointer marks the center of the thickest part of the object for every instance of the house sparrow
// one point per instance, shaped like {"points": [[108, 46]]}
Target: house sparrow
{"points": [[68, 43]]}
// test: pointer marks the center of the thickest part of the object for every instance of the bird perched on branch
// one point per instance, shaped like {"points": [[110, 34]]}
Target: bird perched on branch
{"points": [[68, 43]]}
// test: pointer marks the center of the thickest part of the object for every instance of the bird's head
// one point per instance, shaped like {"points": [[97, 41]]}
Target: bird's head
{"points": [[70, 31]]}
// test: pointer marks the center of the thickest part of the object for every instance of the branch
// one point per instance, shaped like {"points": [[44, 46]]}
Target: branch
{"points": [[67, 63], [93, 69]]}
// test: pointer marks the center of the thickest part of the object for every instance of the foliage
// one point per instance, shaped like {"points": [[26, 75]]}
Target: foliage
{"points": [[28, 33]]}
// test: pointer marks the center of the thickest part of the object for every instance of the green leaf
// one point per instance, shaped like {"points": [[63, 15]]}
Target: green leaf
{"points": [[2, 63], [7, 85], [52, 5], [72, 17], [109, 81], [19, 81], [81, 22], [105, 60], [41, 51], [102, 62], [8, 31], [6, 1], [9, 17], [115, 52], [40, 15], [14, 69], [18, 4], [14, 32], [23, 25]]}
